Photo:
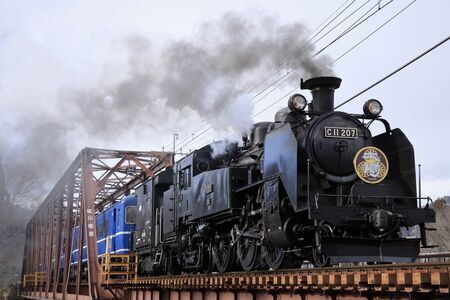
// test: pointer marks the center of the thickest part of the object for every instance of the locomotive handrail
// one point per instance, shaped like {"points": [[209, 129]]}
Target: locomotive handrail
{"points": [[308, 167], [257, 183], [386, 124], [387, 197], [444, 254]]}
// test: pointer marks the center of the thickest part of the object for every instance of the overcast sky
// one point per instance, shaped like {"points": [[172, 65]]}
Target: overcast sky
{"points": [[58, 59]]}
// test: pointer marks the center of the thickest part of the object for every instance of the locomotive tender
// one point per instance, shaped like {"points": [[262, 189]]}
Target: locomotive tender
{"points": [[312, 185]]}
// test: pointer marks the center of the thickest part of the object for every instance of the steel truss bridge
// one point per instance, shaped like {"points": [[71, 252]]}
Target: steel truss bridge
{"points": [[426, 279], [97, 178]]}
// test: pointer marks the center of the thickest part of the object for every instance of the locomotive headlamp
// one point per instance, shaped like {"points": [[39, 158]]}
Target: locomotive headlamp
{"points": [[297, 102], [372, 107]]}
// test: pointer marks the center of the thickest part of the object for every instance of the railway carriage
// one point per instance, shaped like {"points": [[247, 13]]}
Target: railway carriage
{"points": [[115, 229]]}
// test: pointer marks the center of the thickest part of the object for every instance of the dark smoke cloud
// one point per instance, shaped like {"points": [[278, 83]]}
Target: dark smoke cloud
{"points": [[206, 76], [44, 144]]}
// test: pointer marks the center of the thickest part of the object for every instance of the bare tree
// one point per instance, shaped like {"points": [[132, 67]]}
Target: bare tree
{"points": [[24, 186], [3, 193], [17, 185]]}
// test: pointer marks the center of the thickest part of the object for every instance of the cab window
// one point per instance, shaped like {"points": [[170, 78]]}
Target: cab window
{"points": [[130, 214], [184, 178]]}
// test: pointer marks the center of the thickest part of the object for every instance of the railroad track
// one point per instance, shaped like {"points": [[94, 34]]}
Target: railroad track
{"points": [[409, 278]]}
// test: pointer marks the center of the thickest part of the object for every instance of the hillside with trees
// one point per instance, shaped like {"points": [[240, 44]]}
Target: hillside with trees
{"points": [[440, 237]]}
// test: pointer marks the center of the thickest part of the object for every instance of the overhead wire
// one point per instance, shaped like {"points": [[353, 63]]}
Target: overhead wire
{"points": [[194, 138], [289, 73], [273, 103], [283, 78], [350, 28], [390, 19], [292, 91], [337, 16], [189, 136], [287, 61], [267, 77], [372, 85], [346, 31], [344, 19], [312, 43], [200, 141], [357, 24], [373, 32], [395, 71], [254, 115], [354, 25]]}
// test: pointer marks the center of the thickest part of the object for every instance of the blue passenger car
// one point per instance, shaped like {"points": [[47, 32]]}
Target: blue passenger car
{"points": [[115, 227]]}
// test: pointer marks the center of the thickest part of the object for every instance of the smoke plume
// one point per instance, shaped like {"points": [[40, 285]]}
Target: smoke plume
{"points": [[164, 88]]}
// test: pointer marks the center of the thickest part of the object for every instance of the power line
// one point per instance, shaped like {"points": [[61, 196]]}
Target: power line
{"points": [[320, 38], [281, 66], [306, 43], [373, 32], [186, 138], [194, 138], [333, 18], [199, 142], [345, 19], [258, 83], [276, 84], [395, 71], [284, 96], [283, 78], [254, 115], [355, 25], [346, 31], [273, 103]]}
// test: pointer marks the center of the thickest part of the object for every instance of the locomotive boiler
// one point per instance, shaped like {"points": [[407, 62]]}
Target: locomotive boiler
{"points": [[314, 185]]}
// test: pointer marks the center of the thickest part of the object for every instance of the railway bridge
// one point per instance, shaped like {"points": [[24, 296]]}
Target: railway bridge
{"points": [[97, 178], [426, 279]]}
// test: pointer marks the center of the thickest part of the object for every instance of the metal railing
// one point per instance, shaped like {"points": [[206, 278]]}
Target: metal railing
{"points": [[119, 267], [433, 257], [34, 280]]}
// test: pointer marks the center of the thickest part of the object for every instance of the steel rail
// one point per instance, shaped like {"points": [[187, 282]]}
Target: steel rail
{"points": [[396, 278], [371, 268]]}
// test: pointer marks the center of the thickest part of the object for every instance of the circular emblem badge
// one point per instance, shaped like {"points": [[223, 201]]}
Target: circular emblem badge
{"points": [[371, 165]]}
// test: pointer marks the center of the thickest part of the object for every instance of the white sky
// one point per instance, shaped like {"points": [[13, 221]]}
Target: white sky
{"points": [[46, 45]]}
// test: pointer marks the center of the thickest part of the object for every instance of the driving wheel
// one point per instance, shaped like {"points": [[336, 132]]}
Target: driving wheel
{"points": [[223, 254], [247, 251]]}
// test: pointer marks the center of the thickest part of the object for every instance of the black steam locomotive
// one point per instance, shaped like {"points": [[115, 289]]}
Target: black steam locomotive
{"points": [[313, 185]]}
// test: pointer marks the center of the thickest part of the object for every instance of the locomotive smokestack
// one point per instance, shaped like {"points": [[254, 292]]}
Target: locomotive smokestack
{"points": [[322, 90]]}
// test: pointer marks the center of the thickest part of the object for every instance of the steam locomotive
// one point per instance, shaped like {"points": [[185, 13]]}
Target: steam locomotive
{"points": [[314, 185]]}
